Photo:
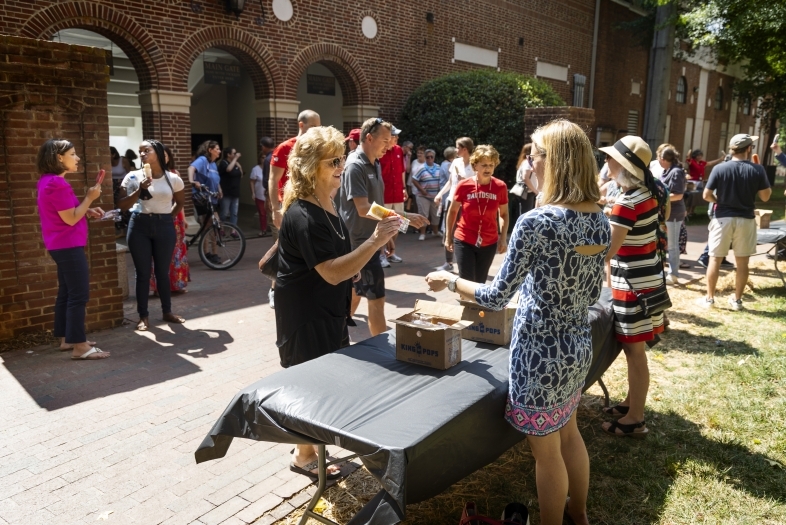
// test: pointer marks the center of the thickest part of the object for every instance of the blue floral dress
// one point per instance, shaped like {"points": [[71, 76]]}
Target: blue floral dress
{"points": [[551, 347]]}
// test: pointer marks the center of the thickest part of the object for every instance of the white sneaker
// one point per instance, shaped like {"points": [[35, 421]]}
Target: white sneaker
{"points": [[670, 279], [395, 258], [447, 267], [384, 261], [270, 296], [706, 302], [736, 304], [422, 237]]}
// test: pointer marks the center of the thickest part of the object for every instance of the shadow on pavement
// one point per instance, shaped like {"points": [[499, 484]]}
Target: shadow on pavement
{"points": [[138, 360]]}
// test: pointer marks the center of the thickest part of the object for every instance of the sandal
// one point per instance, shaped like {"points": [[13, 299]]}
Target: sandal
{"points": [[684, 266], [616, 410], [627, 430], [93, 354], [306, 469]]}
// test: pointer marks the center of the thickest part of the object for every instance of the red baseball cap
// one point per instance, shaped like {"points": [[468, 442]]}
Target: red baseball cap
{"points": [[354, 135]]}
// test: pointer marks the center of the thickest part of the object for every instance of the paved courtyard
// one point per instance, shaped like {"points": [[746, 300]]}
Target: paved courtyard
{"points": [[113, 441]]}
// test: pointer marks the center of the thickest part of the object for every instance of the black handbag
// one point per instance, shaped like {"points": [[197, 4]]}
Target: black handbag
{"points": [[656, 301], [268, 264]]}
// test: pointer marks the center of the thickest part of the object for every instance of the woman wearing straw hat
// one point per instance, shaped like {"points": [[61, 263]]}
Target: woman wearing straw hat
{"points": [[635, 268]]}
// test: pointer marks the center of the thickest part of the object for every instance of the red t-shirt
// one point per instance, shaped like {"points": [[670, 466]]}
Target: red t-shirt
{"points": [[479, 206], [279, 159], [696, 169], [392, 164]]}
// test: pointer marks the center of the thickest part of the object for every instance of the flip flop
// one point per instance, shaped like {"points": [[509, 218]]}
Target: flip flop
{"points": [[305, 470], [91, 352]]}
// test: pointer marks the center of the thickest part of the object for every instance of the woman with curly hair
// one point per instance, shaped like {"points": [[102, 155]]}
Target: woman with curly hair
{"points": [[316, 262]]}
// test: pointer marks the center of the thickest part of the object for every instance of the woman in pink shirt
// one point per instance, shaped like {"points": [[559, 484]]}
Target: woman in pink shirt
{"points": [[64, 228]]}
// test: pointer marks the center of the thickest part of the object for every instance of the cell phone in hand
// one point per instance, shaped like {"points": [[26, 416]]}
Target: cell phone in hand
{"points": [[100, 177], [776, 139]]}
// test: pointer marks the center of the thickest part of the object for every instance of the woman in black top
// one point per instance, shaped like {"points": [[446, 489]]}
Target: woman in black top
{"points": [[230, 171], [316, 262]]}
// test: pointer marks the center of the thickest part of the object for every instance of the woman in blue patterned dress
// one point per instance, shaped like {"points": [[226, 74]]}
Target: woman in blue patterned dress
{"points": [[556, 256]]}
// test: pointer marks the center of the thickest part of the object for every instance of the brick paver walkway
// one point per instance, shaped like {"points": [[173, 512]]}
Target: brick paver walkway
{"points": [[114, 440]]}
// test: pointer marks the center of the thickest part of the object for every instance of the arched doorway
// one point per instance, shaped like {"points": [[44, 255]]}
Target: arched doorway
{"points": [[222, 109], [320, 91], [125, 113]]}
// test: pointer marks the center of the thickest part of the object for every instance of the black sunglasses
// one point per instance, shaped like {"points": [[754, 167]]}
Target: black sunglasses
{"points": [[374, 126]]}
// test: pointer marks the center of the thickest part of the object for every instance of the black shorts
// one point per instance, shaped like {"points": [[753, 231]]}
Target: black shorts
{"points": [[372, 280]]}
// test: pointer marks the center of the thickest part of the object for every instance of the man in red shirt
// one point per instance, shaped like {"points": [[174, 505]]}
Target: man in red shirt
{"points": [[278, 164], [278, 176], [394, 176]]}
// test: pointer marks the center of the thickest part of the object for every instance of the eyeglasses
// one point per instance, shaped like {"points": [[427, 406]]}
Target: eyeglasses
{"points": [[336, 162], [530, 157]]}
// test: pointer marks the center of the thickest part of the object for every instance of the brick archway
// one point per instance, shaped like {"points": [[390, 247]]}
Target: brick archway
{"points": [[252, 54], [143, 52], [340, 62]]}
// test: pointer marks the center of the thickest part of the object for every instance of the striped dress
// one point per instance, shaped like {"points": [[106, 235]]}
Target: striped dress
{"points": [[637, 261]]}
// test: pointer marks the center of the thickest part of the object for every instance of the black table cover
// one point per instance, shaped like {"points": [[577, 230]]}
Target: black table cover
{"points": [[418, 430]]}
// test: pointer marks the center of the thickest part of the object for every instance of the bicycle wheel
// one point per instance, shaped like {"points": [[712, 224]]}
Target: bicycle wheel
{"points": [[222, 246]]}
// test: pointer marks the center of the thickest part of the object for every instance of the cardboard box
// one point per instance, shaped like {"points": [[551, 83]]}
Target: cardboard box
{"points": [[433, 346], [488, 326], [762, 218]]}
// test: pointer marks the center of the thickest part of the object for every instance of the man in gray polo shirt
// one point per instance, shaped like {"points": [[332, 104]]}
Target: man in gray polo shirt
{"points": [[362, 185]]}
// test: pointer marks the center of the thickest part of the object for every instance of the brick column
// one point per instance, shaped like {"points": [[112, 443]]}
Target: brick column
{"points": [[59, 92], [166, 116], [276, 118], [354, 116]]}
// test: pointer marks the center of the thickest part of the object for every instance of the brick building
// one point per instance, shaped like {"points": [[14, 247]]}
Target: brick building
{"points": [[182, 71]]}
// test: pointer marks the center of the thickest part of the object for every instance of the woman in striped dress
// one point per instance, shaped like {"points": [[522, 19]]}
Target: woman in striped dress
{"points": [[635, 263]]}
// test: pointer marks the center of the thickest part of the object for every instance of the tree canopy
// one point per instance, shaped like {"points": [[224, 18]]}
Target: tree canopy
{"points": [[751, 33]]}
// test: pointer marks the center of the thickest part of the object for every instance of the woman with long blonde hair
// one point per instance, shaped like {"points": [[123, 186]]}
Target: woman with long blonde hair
{"points": [[316, 262], [556, 258]]}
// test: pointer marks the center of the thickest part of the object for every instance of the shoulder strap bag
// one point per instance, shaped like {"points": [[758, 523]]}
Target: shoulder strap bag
{"points": [[655, 301]]}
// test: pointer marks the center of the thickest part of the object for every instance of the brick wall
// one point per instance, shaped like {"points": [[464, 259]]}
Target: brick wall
{"points": [[51, 90], [534, 117], [163, 43]]}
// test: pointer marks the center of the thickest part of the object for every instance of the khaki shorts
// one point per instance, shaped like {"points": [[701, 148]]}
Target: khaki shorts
{"points": [[397, 207], [735, 232], [428, 209]]}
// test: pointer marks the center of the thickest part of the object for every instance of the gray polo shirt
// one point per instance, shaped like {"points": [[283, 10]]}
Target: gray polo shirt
{"points": [[360, 179]]}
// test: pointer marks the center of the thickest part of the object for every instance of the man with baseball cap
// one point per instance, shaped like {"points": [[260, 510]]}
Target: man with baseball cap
{"points": [[734, 186], [353, 139]]}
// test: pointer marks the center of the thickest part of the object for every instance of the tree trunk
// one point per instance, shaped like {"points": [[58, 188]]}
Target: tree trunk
{"points": [[659, 76]]}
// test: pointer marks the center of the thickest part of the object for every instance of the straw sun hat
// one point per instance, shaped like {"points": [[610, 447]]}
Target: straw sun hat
{"points": [[633, 153]]}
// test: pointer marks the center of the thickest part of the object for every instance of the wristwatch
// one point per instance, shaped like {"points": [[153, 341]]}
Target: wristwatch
{"points": [[452, 284]]}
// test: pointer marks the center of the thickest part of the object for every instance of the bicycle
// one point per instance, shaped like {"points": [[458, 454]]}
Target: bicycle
{"points": [[227, 240]]}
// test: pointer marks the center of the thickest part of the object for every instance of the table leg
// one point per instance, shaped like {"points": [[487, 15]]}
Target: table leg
{"points": [[309, 512]]}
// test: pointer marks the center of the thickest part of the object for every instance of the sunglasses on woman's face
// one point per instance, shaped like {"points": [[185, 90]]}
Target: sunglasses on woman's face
{"points": [[530, 157], [336, 162]]}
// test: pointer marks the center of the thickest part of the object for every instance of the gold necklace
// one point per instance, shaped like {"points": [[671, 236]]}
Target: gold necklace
{"points": [[342, 237]]}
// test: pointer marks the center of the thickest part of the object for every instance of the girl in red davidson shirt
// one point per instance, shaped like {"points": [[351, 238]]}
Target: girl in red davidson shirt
{"points": [[483, 200]]}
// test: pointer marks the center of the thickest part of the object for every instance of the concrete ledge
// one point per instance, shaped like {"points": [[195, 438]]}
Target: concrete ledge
{"points": [[359, 113], [166, 101], [277, 108]]}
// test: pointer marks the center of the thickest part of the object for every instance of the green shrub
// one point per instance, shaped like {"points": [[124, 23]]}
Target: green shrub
{"points": [[485, 105]]}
